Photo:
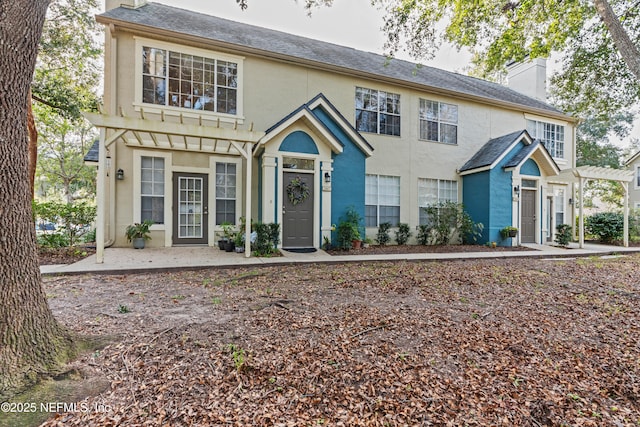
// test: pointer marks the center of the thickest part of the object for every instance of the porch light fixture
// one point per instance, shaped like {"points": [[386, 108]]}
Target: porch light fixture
{"points": [[120, 175], [327, 178], [516, 190], [571, 201]]}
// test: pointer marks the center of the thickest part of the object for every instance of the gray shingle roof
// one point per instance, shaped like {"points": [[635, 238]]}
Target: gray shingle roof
{"points": [[491, 151], [269, 42], [94, 151]]}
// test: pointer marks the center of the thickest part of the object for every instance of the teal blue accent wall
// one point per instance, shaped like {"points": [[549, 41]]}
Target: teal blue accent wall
{"points": [[530, 167], [476, 200], [348, 176], [299, 142], [488, 196]]}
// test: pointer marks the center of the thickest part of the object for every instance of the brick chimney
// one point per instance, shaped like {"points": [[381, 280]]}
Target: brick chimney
{"points": [[131, 4], [529, 77]]}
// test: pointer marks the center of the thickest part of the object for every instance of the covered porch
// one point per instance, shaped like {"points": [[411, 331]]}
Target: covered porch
{"points": [[579, 176], [164, 133]]}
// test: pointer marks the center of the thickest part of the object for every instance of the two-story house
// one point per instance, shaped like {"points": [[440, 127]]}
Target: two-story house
{"points": [[206, 120]]}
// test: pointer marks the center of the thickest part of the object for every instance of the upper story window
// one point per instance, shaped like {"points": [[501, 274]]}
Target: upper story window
{"points": [[184, 80], [438, 121], [551, 135], [377, 111]]}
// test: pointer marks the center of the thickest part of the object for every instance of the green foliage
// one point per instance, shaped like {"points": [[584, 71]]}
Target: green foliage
{"points": [[348, 228], [123, 309], [383, 237], [74, 220], [449, 223], [563, 235], [507, 231], [139, 230], [239, 357], [267, 239], [53, 240], [403, 234], [606, 226], [424, 234]]}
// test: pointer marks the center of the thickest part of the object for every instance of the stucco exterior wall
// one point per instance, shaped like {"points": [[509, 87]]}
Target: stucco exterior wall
{"points": [[272, 89]]}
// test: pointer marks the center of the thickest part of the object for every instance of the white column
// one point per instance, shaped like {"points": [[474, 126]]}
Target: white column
{"points": [[581, 230], [269, 190], [248, 196], [625, 186], [101, 176]]}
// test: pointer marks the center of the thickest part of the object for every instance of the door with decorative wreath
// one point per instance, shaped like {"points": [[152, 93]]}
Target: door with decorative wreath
{"points": [[297, 210]]}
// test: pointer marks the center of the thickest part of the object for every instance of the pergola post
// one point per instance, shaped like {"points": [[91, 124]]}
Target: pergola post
{"points": [[581, 213], [101, 177], [248, 196], [625, 239]]}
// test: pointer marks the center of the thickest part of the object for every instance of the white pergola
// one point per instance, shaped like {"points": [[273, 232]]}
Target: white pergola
{"points": [[177, 133], [582, 174]]}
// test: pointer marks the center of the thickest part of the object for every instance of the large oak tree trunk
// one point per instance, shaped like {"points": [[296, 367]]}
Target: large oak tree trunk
{"points": [[33, 145], [31, 341]]}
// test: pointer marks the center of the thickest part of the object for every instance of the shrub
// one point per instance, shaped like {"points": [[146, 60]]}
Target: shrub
{"points": [[606, 226], [74, 219], [403, 234], [563, 235], [451, 224], [383, 233], [348, 228], [267, 238], [424, 234]]}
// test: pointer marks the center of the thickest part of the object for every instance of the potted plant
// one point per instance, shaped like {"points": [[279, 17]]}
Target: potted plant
{"points": [[353, 219], [239, 242], [509, 231], [138, 233], [229, 236]]}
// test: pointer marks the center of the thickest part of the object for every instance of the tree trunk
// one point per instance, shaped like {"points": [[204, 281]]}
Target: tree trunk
{"points": [[628, 50], [31, 341], [33, 145]]}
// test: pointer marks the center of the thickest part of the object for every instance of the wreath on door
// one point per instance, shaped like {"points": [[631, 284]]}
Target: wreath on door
{"points": [[297, 191]]}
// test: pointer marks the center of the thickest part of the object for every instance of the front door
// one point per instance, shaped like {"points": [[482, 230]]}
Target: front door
{"points": [[297, 210], [190, 209], [528, 220]]}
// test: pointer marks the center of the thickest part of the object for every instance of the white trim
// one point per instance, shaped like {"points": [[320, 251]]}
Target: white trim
{"points": [[168, 190], [534, 117], [346, 126], [317, 190], [140, 42], [317, 127]]}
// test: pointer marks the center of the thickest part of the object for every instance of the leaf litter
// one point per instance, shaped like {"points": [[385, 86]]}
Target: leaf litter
{"points": [[523, 342]]}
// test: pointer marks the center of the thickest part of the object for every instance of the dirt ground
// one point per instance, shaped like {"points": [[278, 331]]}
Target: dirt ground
{"points": [[493, 342]]}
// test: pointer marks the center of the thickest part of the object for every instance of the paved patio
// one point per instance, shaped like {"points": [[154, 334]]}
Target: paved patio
{"points": [[127, 260]]}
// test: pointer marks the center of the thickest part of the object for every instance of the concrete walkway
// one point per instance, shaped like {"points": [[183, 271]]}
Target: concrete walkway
{"points": [[127, 260]]}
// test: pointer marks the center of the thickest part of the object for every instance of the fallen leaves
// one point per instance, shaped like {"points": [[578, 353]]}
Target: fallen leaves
{"points": [[492, 342]]}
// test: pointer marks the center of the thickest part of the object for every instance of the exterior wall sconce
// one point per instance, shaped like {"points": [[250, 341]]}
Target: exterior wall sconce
{"points": [[120, 175], [571, 201], [516, 190], [327, 178]]}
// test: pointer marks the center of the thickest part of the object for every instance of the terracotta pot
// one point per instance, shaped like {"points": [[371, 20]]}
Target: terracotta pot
{"points": [[356, 244]]}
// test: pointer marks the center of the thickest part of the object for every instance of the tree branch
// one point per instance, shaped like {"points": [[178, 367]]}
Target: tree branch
{"points": [[628, 50]]}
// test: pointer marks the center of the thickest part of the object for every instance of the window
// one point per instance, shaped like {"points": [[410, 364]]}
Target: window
{"points": [[433, 192], [152, 189], [559, 206], [377, 112], [638, 176], [225, 193], [382, 200], [438, 121], [551, 135], [188, 81]]}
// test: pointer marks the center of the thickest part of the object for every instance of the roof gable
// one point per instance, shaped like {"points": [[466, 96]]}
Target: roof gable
{"points": [[279, 45]]}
